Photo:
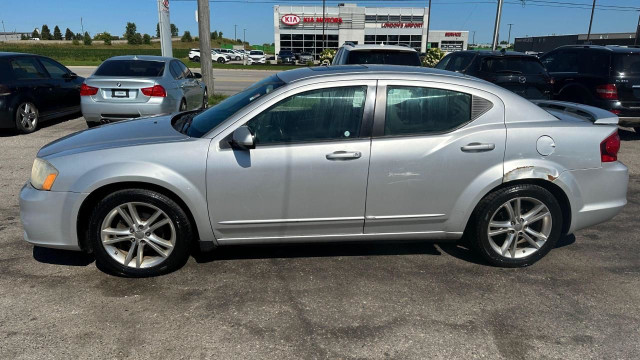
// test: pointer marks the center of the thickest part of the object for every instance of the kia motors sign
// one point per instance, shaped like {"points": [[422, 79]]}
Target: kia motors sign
{"points": [[290, 19]]}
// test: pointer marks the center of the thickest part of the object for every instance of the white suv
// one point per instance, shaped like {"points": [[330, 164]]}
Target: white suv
{"points": [[257, 57], [194, 55]]}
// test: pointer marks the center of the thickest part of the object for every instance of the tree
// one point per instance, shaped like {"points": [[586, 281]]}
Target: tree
{"points": [[219, 34], [186, 37], [214, 35], [35, 34], [433, 57], [24, 37], [106, 37], [86, 39], [68, 35], [174, 30], [146, 39], [45, 33], [78, 36], [239, 41], [504, 42], [157, 30], [130, 34], [57, 35]]}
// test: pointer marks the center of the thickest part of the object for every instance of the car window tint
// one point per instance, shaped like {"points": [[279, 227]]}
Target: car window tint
{"points": [[563, 61], [186, 73], [627, 64], [513, 64], [383, 57], [594, 63], [131, 68], [443, 63], [418, 110], [26, 68], [459, 62], [54, 69], [317, 115], [175, 70]]}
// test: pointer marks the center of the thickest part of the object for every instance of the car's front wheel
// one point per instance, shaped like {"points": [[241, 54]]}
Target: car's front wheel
{"points": [[26, 117], [196, 58], [518, 225], [221, 60], [139, 233]]}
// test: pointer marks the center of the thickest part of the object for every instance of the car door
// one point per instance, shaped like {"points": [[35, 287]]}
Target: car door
{"points": [[68, 89], [191, 87], [435, 146], [33, 81], [181, 83], [306, 176]]}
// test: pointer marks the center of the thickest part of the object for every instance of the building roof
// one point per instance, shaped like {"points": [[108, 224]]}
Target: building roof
{"points": [[365, 47], [339, 70], [612, 48]]}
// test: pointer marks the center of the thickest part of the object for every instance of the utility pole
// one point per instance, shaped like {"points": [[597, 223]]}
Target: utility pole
{"points": [[323, 23], [428, 24], [637, 40], [81, 26], [204, 34], [496, 28], [593, 7], [165, 28], [474, 38], [244, 46], [4, 31], [235, 32], [509, 38]]}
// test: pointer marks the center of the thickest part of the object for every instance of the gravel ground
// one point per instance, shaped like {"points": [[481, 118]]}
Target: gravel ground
{"points": [[375, 300]]}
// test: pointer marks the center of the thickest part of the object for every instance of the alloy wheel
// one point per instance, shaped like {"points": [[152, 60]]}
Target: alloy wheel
{"points": [[28, 116], [138, 235], [519, 227]]}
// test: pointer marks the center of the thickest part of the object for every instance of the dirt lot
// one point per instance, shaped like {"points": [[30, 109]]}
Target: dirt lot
{"points": [[375, 300]]}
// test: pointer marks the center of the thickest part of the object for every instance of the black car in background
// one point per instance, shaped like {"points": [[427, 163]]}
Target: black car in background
{"points": [[33, 89], [287, 57], [607, 77], [523, 74]]}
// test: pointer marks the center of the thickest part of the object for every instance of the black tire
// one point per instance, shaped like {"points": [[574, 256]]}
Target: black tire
{"points": [[196, 58], [221, 60], [183, 106], [489, 206], [637, 130], [205, 99], [27, 117], [183, 230]]}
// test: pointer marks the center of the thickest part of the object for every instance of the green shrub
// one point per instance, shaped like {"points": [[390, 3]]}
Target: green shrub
{"points": [[433, 57]]}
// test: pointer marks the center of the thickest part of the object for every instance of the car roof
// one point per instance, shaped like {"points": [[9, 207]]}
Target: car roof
{"points": [[612, 48], [14, 54], [494, 53], [340, 70], [142, 57], [364, 47]]}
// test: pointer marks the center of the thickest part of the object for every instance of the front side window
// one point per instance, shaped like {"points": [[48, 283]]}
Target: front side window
{"points": [[442, 65], [414, 110], [460, 61], [316, 115], [27, 68], [54, 69]]}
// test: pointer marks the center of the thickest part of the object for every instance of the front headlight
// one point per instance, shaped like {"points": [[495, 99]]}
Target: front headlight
{"points": [[43, 174]]}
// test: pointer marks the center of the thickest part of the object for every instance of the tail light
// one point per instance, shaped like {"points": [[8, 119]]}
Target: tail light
{"points": [[86, 90], [156, 90], [609, 148], [608, 91], [4, 90], [617, 112]]}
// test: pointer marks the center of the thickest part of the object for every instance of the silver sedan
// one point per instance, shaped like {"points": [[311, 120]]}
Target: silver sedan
{"points": [[331, 154], [125, 87]]}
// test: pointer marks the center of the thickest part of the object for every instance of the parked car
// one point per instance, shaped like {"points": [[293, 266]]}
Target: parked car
{"points": [[607, 77], [237, 55], [230, 53], [34, 89], [336, 153], [523, 74], [257, 57], [351, 53], [306, 57], [287, 57], [127, 87], [194, 55]]}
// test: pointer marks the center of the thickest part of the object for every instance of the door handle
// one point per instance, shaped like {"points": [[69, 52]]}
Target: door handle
{"points": [[344, 155], [478, 147]]}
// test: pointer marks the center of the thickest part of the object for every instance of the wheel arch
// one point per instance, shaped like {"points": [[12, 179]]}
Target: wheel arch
{"points": [[100, 193]]}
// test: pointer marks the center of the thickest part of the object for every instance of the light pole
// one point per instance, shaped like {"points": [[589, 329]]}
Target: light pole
{"points": [[244, 46], [4, 31], [593, 8], [428, 23], [235, 32], [474, 38], [496, 28], [509, 38], [323, 23]]}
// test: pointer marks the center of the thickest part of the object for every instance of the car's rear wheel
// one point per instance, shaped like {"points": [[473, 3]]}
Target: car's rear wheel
{"points": [[221, 60], [139, 233], [183, 106], [517, 226], [26, 117], [205, 99], [196, 58]]}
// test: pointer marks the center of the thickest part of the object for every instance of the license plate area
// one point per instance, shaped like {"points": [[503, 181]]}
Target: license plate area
{"points": [[117, 93]]}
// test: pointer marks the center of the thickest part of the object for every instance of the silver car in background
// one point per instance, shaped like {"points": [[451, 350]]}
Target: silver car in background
{"points": [[331, 154], [126, 87]]}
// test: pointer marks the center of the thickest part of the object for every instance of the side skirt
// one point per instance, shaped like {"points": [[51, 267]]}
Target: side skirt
{"points": [[435, 236]]}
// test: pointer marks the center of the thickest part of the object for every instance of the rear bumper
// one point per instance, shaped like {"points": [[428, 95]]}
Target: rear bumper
{"points": [[99, 111], [49, 217], [591, 201]]}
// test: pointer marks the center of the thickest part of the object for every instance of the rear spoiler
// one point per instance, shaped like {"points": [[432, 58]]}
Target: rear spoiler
{"points": [[593, 114]]}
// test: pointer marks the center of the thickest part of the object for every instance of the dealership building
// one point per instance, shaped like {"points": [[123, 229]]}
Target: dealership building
{"points": [[299, 28]]}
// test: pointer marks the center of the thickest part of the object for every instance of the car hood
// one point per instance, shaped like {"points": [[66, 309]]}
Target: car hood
{"points": [[150, 130]]}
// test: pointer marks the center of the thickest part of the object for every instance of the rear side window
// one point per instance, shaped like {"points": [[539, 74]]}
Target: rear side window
{"points": [[414, 110], [627, 64], [562, 61], [131, 68], [513, 65], [460, 61], [176, 72], [317, 115], [442, 65], [384, 57], [27, 68], [186, 73]]}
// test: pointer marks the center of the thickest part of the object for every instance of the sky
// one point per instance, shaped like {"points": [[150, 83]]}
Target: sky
{"points": [[536, 17]]}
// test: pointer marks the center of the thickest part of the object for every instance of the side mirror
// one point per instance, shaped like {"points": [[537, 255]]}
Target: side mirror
{"points": [[70, 75], [243, 139], [197, 75]]}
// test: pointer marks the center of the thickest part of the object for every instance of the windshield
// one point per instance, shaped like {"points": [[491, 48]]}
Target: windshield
{"points": [[384, 57], [513, 65], [131, 68], [210, 119], [627, 64], [256, 53]]}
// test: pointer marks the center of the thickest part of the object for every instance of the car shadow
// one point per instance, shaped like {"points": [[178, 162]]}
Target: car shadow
{"points": [[62, 257], [43, 125], [628, 134]]}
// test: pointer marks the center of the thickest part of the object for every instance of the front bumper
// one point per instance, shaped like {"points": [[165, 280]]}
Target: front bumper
{"points": [[597, 194], [100, 111], [49, 217], [258, 61]]}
